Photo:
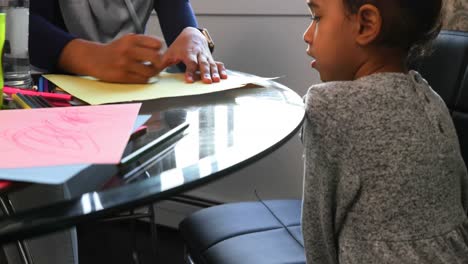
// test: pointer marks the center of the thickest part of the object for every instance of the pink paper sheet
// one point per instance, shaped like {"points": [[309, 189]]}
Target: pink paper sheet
{"points": [[65, 135]]}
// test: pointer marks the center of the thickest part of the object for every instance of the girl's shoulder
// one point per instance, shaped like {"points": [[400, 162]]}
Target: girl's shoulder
{"points": [[342, 101], [329, 101], [368, 89]]}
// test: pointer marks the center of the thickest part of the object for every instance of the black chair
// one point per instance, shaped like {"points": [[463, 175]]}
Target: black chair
{"points": [[269, 232]]}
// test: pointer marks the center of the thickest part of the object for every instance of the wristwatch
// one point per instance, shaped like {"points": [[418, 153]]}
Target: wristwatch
{"points": [[205, 33]]}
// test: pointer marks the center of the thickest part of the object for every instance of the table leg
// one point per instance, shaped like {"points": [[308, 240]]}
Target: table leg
{"points": [[7, 209], [153, 231]]}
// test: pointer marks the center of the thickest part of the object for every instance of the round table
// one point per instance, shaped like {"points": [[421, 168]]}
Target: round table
{"points": [[227, 131]]}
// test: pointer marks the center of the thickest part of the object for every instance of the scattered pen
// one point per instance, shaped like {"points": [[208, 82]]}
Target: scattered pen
{"points": [[40, 101], [158, 141], [44, 102], [28, 101], [35, 101], [49, 96], [20, 102]]}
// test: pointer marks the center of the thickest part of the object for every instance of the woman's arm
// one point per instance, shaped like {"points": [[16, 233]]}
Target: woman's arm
{"points": [[47, 34], [52, 48], [174, 16]]}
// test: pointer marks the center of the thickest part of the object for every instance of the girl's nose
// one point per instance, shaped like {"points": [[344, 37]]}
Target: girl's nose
{"points": [[308, 34]]}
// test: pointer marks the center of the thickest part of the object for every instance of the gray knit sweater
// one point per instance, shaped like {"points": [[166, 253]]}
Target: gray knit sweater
{"points": [[384, 178]]}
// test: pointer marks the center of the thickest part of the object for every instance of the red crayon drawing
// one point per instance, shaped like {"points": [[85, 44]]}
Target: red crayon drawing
{"points": [[64, 136]]}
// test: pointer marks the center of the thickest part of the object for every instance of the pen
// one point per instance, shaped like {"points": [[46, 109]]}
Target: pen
{"points": [[39, 101], [28, 101], [133, 15], [44, 101], [50, 96], [34, 100], [158, 141], [20, 102]]}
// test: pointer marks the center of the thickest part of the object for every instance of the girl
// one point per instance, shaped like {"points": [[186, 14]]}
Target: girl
{"points": [[384, 177]]}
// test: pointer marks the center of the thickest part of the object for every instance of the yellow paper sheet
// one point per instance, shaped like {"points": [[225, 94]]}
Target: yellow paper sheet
{"points": [[169, 85]]}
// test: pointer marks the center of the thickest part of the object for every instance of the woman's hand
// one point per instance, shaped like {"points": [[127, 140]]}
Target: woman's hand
{"points": [[191, 48], [129, 59]]}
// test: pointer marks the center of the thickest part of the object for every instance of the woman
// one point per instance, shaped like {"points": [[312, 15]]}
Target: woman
{"points": [[97, 38]]}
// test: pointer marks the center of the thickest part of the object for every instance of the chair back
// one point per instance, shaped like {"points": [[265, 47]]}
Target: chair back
{"points": [[447, 73]]}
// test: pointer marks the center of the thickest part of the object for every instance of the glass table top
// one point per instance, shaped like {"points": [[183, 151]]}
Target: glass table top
{"points": [[227, 131]]}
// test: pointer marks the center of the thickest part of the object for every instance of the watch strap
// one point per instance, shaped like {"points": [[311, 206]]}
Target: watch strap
{"points": [[208, 38]]}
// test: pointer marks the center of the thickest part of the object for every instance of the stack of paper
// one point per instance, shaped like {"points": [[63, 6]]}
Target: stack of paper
{"points": [[49, 145], [169, 85]]}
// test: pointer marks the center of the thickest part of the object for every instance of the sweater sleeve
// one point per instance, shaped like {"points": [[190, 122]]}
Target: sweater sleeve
{"points": [[329, 187], [174, 16], [47, 34]]}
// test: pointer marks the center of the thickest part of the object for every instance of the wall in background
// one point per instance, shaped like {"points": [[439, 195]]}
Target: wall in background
{"points": [[456, 15], [262, 37]]}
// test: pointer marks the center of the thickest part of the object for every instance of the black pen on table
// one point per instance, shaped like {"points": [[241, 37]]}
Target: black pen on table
{"points": [[156, 142]]}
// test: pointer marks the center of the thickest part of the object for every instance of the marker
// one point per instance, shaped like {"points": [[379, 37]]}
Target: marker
{"points": [[40, 86], [139, 131], [157, 142], [2, 42], [46, 85], [50, 96]]}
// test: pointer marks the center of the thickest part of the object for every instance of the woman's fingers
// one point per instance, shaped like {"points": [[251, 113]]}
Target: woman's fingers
{"points": [[222, 70]]}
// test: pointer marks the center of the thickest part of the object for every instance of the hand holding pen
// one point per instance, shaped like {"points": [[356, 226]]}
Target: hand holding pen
{"points": [[133, 58]]}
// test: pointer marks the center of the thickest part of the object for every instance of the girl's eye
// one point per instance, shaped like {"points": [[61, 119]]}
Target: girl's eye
{"points": [[315, 18]]}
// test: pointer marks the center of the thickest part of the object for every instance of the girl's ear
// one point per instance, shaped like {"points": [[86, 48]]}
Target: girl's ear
{"points": [[370, 24]]}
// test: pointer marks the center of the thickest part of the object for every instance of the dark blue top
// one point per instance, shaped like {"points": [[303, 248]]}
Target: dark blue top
{"points": [[48, 34]]}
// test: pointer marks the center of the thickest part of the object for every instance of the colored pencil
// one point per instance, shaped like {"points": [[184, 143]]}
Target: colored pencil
{"points": [[20, 102], [28, 101]]}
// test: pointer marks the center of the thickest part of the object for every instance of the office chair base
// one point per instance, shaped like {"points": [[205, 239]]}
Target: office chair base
{"points": [[188, 259]]}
